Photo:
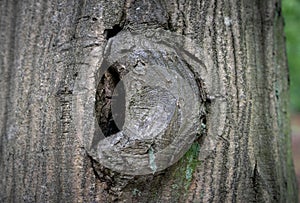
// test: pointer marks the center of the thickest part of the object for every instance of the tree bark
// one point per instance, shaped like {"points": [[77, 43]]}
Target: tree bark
{"points": [[50, 68]]}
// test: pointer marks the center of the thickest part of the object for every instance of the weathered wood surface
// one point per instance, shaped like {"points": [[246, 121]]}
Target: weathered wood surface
{"points": [[163, 103], [50, 54]]}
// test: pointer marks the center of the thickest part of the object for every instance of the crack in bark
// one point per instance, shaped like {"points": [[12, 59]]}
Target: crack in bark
{"points": [[255, 182]]}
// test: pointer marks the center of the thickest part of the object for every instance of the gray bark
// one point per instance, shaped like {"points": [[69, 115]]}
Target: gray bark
{"points": [[232, 146]]}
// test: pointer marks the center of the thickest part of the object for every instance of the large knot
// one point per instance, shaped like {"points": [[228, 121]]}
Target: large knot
{"points": [[148, 105]]}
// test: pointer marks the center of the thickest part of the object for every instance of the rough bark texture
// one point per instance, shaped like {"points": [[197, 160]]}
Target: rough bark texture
{"points": [[50, 56]]}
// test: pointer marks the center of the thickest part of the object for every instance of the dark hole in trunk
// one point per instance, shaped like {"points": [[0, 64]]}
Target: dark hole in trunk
{"points": [[109, 33], [110, 102]]}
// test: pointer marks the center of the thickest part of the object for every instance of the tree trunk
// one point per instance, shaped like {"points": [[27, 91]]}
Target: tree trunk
{"points": [[232, 146]]}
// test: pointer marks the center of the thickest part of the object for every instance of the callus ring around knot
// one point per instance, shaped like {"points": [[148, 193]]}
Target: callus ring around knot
{"points": [[160, 104]]}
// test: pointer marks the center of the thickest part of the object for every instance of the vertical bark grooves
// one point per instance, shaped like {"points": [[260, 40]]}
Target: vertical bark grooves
{"points": [[49, 56]]}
